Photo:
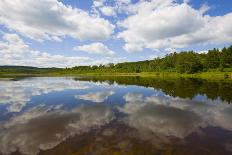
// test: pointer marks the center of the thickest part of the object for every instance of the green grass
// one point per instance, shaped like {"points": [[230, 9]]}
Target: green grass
{"points": [[202, 75], [213, 75]]}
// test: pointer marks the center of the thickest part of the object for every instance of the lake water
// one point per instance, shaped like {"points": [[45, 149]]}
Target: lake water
{"points": [[115, 115]]}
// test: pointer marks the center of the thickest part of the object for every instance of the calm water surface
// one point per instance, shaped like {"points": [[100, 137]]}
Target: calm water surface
{"points": [[115, 115]]}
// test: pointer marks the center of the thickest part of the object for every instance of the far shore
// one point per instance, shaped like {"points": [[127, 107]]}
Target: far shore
{"points": [[201, 75]]}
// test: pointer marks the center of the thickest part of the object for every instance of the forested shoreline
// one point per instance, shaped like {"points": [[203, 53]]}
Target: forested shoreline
{"points": [[183, 62], [188, 62]]}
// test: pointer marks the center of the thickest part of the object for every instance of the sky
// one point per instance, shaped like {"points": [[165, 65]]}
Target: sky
{"points": [[67, 33]]}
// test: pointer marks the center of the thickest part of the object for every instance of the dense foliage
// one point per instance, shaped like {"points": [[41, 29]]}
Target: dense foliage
{"points": [[183, 62], [26, 70]]}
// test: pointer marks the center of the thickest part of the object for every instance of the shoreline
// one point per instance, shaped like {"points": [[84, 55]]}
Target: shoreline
{"points": [[201, 75]]}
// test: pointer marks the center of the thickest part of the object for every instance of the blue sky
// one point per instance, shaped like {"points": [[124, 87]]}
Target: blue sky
{"points": [[66, 33]]}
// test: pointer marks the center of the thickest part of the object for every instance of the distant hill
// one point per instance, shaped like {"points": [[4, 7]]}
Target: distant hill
{"points": [[25, 69]]}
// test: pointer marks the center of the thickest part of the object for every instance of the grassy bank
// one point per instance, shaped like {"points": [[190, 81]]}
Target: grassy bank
{"points": [[202, 75]]}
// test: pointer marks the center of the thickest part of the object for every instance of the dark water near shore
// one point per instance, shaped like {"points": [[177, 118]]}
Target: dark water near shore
{"points": [[115, 115]]}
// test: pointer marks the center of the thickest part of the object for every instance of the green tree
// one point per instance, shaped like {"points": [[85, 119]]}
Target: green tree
{"points": [[213, 58], [188, 62], [226, 57]]}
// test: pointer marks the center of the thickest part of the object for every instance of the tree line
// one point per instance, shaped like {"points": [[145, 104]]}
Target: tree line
{"points": [[183, 62]]}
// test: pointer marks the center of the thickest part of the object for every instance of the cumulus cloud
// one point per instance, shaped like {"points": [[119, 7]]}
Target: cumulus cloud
{"points": [[133, 47], [108, 11], [52, 20], [157, 25], [170, 50], [98, 3], [96, 97], [123, 1], [116, 7], [14, 51], [95, 48], [165, 24]]}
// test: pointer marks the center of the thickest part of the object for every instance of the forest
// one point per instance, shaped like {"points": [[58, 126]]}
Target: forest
{"points": [[183, 62]]}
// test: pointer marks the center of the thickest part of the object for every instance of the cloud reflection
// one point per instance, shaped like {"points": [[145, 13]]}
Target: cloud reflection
{"points": [[17, 93], [164, 116], [157, 118], [96, 97], [43, 127]]}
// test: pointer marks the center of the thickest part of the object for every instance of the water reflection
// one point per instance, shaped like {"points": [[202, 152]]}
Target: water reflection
{"points": [[64, 116], [96, 97], [178, 87], [167, 116], [17, 93], [42, 128]]}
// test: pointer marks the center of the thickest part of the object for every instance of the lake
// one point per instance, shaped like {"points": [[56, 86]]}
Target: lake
{"points": [[115, 115]]}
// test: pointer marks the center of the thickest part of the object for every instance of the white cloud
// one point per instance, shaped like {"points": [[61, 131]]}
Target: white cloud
{"points": [[95, 48], [202, 51], [153, 24], [108, 11], [107, 60], [96, 97], [133, 47], [159, 24], [123, 1], [117, 6], [12, 38], [52, 20], [98, 3], [170, 50], [14, 51], [204, 8], [186, 1]]}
